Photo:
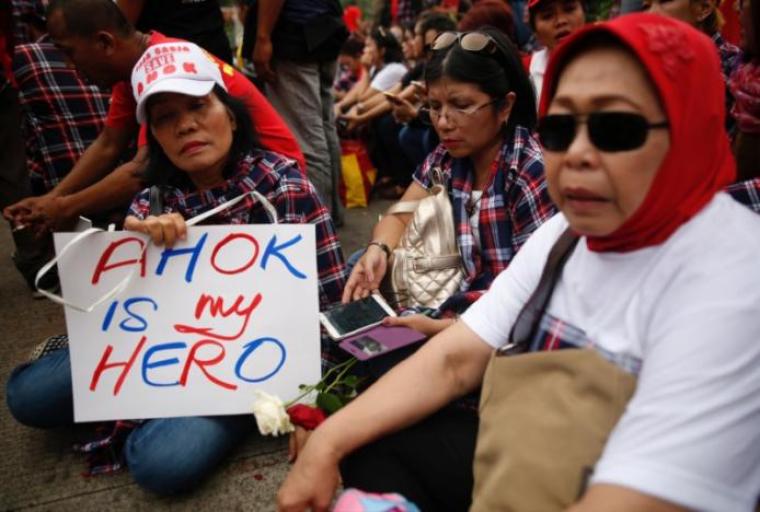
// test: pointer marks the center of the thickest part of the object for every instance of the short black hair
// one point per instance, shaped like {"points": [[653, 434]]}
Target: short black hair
{"points": [[532, 12], [439, 22], [496, 74], [353, 47], [85, 18], [161, 171]]}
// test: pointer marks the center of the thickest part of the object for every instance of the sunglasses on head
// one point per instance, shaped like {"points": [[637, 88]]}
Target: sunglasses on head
{"points": [[470, 41], [608, 131]]}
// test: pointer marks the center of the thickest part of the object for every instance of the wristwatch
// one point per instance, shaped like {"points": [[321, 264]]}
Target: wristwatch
{"points": [[384, 247]]}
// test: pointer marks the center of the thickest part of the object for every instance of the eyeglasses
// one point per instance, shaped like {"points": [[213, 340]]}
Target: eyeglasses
{"points": [[470, 41], [454, 115], [608, 131]]}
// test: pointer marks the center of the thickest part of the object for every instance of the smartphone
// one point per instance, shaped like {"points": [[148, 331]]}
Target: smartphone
{"points": [[380, 340], [392, 98], [346, 320]]}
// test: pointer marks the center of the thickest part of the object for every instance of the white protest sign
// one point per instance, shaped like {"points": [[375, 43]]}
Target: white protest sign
{"points": [[199, 327]]}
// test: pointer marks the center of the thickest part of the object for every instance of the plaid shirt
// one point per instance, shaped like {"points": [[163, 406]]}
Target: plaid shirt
{"points": [[514, 203], [62, 114], [280, 181], [747, 193], [556, 334], [730, 59]]}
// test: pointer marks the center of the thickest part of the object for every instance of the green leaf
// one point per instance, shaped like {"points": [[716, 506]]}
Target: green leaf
{"points": [[351, 381], [329, 402]]}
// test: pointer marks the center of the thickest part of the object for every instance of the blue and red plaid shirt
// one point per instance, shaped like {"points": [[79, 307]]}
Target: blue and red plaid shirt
{"points": [[747, 193], [514, 203], [62, 114], [283, 184]]}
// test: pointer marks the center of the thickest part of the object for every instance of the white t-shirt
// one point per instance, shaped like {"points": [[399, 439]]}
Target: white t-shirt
{"points": [[689, 309], [538, 63], [388, 76]]}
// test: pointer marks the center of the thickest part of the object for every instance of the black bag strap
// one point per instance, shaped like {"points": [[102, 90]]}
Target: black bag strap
{"points": [[156, 201], [528, 321]]}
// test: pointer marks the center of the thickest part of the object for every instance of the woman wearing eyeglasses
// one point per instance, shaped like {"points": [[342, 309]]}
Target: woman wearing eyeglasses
{"points": [[662, 286], [481, 106]]}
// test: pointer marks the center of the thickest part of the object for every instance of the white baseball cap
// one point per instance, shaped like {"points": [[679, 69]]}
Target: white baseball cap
{"points": [[180, 67]]}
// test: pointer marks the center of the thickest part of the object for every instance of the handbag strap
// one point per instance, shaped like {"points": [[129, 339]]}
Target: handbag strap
{"points": [[403, 207], [527, 323], [156, 201], [411, 206]]}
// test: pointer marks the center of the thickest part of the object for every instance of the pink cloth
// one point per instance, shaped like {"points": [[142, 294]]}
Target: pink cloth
{"points": [[354, 500]]}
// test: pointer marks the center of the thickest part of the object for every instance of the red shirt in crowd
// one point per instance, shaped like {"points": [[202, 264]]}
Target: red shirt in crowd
{"points": [[271, 130]]}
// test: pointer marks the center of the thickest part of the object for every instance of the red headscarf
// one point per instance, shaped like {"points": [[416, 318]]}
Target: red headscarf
{"points": [[683, 64]]}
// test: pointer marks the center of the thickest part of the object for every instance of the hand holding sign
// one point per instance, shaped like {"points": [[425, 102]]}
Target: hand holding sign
{"points": [[163, 230]]}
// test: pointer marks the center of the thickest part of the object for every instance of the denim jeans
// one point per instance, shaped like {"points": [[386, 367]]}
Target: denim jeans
{"points": [[165, 456]]}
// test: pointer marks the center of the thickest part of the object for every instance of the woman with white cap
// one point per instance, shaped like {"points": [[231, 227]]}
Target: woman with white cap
{"points": [[203, 153]]}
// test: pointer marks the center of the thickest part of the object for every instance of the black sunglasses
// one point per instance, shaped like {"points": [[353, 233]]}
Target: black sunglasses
{"points": [[608, 131]]}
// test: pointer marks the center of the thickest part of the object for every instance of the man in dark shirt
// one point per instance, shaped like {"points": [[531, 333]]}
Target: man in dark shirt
{"points": [[198, 21], [294, 46]]}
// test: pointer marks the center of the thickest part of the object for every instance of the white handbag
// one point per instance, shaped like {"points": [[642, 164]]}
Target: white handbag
{"points": [[426, 268]]}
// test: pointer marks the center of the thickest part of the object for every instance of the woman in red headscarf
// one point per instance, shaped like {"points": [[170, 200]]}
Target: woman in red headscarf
{"points": [[662, 285]]}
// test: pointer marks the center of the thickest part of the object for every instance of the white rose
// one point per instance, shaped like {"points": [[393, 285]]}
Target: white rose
{"points": [[270, 414]]}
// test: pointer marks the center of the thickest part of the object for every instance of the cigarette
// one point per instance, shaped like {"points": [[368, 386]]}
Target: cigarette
{"points": [[18, 227]]}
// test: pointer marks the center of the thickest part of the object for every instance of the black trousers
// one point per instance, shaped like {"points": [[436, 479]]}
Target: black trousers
{"points": [[430, 463]]}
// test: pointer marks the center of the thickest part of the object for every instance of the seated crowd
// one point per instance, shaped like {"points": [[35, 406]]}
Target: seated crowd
{"points": [[597, 351]]}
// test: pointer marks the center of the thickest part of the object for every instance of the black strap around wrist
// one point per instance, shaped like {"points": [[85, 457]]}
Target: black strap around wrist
{"points": [[384, 247]]}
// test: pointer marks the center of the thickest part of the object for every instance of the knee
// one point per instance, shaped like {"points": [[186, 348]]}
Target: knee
{"points": [[39, 401], [17, 396], [174, 455], [157, 471]]}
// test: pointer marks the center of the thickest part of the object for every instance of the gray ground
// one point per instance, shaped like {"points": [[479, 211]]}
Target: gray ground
{"points": [[38, 470]]}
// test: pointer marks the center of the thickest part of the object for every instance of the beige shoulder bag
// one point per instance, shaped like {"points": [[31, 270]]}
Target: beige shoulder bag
{"points": [[426, 268], [544, 416]]}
